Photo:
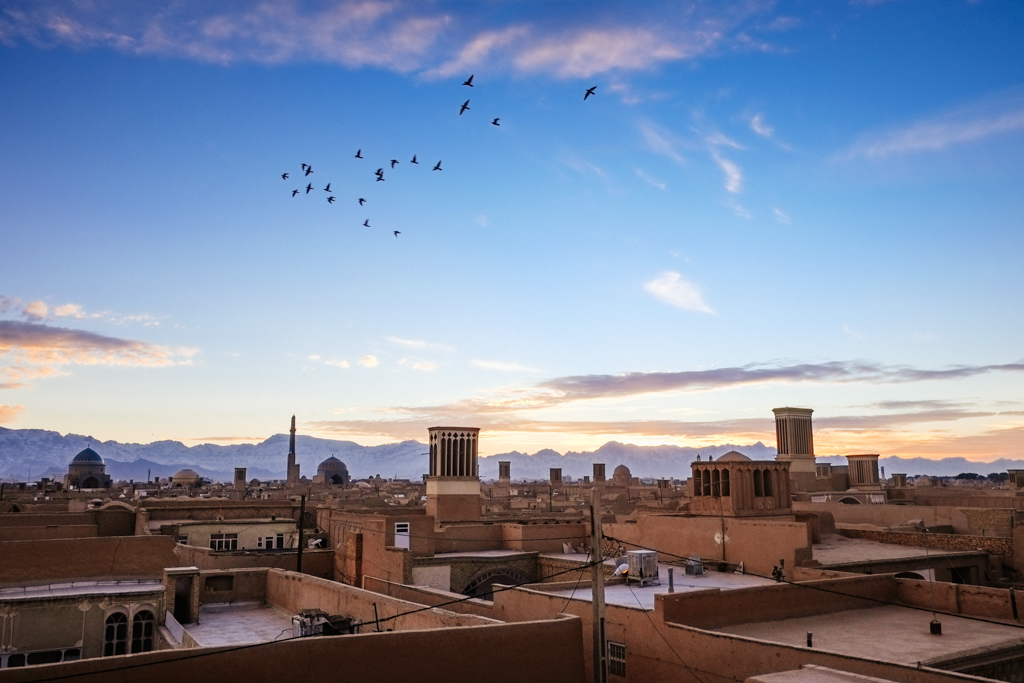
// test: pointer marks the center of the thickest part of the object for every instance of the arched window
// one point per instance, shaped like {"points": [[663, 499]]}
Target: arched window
{"points": [[725, 483], [142, 631], [758, 483], [706, 482], [716, 483], [115, 635], [697, 488], [768, 482]]}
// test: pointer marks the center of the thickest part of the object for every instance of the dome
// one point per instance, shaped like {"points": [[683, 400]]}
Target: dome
{"points": [[88, 455], [621, 471], [186, 476], [333, 471], [331, 464], [733, 456]]}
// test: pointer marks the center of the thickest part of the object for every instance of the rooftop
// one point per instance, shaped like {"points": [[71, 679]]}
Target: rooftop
{"points": [[835, 549], [73, 588], [889, 633], [239, 624]]}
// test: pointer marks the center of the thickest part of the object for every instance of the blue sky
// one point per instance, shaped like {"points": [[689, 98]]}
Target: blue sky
{"points": [[763, 204]]}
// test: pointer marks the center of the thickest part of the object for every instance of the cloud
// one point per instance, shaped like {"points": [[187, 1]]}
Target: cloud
{"points": [[424, 366], [781, 216], [369, 361], [35, 310], [737, 208], [852, 332], [501, 366], [418, 344], [7, 303], [997, 115], [581, 166], [340, 363], [927, 404], [758, 125], [673, 290], [733, 174], [661, 141], [9, 414], [475, 52], [29, 350], [39, 311], [314, 357], [649, 180]]}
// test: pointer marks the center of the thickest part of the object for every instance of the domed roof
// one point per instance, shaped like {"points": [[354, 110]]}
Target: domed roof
{"points": [[331, 464], [182, 475], [621, 470], [733, 456], [88, 455]]}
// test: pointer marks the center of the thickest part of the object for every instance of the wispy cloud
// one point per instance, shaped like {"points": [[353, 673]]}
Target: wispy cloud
{"points": [[29, 350], [478, 49], [781, 216], [649, 180], [661, 141], [849, 331], [581, 165], [10, 413], [419, 344], [998, 115], [672, 289], [369, 361], [40, 311], [733, 174], [338, 363], [759, 126], [501, 366]]}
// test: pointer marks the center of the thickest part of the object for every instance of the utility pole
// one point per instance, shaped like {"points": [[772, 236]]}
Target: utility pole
{"points": [[597, 583], [302, 527]]}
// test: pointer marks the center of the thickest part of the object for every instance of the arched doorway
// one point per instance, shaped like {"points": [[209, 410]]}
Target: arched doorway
{"points": [[482, 584], [337, 480], [90, 483], [849, 501], [909, 575]]}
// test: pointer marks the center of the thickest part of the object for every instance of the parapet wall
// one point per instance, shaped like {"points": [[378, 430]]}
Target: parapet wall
{"points": [[47, 561], [990, 544]]}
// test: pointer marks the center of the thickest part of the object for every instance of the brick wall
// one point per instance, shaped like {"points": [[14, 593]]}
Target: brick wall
{"points": [[989, 544]]}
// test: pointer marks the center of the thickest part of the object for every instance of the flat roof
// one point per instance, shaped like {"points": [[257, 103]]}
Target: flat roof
{"points": [[635, 595], [73, 588], [240, 624], [485, 553], [890, 633], [835, 549]]}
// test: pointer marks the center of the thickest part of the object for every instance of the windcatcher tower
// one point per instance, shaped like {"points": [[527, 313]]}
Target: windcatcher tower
{"points": [[293, 468], [453, 484], [796, 445]]}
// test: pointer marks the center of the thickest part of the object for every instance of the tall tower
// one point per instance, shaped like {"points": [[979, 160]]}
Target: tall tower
{"points": [[293, 468], [795, 441], [453, 484]]}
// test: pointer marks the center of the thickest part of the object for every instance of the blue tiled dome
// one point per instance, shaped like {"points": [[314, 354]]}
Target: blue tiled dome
{"points": [[88, 455]]}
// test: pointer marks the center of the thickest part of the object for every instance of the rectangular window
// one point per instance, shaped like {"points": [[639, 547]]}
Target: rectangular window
{"points": [[280, 541], [616, 658], [402, 534], [223, 541]]}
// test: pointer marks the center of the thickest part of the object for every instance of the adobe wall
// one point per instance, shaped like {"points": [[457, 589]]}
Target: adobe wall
{"points": [[713, 608], [485, 654], [990, 544], [757, 542], [294, 592], [463, 569], [200, 509], [891, 515], [544, 538], [991, 603], [32, 533], [46, 519], [314, 562], [364, 544], [423, 595], [246, 585], [36, 562]]}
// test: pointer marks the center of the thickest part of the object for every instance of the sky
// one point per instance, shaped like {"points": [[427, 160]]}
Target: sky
{"points": [[762, 204]]}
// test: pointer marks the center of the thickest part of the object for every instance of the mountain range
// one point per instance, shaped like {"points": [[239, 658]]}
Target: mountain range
{"points": [[28, 454]]}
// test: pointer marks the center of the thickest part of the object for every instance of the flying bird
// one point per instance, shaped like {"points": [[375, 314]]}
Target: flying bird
{"points": [[367, 222], [495, 122], [465, 106], [359, 154], [294, 192], [469, 81], [397, 233], [309, 169], [305, 166], [309, 187], [328, 188], [394, 162], [590, 91], [330, 200], [284, 176], [414, 159], [361, 201], [379, 171], [438, 167], [380, 178]]}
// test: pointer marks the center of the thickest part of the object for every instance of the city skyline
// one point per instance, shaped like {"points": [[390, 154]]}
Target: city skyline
{"points": [[761, 205]]}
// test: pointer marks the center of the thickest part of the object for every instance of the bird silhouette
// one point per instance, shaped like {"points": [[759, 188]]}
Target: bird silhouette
{"points": [[469, 81], [394, 162], [590, 91], [330, 200], [438, 167], [328, 188], [495, 122], [359, 154], [305, 166], [284, 176], [294, 192], [397, 233], [414, 160], [309, 187], [361, 201], [379, 172], [367, 222], [465, 106], [309, 169]]}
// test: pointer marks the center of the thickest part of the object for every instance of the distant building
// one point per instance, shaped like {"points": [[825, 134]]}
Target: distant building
{"points": [[332, 472], [87, 471]]}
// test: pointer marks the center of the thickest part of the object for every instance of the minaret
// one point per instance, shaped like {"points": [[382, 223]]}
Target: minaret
{"points": [[293, 469]]}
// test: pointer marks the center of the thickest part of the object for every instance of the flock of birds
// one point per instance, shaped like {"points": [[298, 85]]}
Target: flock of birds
{"points": [[307, 169]]}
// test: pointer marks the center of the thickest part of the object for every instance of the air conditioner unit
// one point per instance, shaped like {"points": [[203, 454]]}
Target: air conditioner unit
{"points": [[309, 622], [643, 567], [694, 566]]}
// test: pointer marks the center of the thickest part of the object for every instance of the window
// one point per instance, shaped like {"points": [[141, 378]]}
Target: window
{"points": [[725, 483], [279, 543], [402, 534], [223, 541], [142, 631], [115, 635], [616, 658], [183, 540]]}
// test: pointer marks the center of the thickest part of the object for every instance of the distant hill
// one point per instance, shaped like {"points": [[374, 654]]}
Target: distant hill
{"points": [[38, 453]]}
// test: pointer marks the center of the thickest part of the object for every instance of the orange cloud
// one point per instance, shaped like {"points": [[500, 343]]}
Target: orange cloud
{"points": [[10, 413]]}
